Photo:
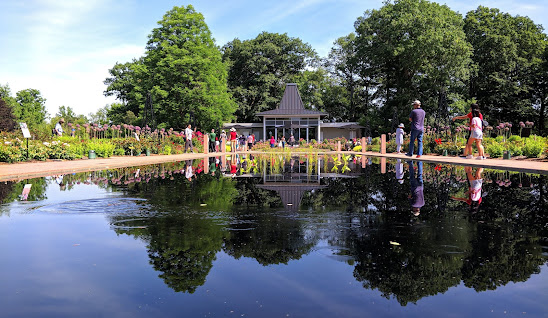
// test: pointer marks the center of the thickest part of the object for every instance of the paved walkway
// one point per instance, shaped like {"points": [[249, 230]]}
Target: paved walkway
{"points": [[18, 171]]}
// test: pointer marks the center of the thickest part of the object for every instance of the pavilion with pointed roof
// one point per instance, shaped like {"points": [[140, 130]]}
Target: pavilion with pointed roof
{"points": [[291, 118]]}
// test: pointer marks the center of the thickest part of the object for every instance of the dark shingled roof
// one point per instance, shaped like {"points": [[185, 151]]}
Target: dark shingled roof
{"points": [[291, 104]]}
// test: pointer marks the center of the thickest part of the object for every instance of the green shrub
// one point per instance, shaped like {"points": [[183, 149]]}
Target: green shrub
{"points": [[515, 149], [119, 152], [376, 141], [533, 148], [391, 147], [494, 150], [9, 153], [103, 149], [515, 139]]}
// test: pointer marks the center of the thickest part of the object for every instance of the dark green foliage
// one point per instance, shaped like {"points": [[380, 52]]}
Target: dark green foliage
{"points": [[508, 53], [412, 49], [182, 70], [260, 68], [7, 119]]}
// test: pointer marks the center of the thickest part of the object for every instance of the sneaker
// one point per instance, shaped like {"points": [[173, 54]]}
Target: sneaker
{"points": [[408, 154], [480, 157], [418, 156], [469, 157]]}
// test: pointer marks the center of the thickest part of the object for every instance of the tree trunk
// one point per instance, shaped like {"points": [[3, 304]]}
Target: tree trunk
{"points": [[541, 117]]}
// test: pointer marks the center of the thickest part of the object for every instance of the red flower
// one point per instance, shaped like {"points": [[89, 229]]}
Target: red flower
{"points": [[438, 141], [437, 168]]}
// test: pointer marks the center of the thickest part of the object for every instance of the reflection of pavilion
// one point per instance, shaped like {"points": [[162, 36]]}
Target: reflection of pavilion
{"points": [[292, 177], [292, 180]]}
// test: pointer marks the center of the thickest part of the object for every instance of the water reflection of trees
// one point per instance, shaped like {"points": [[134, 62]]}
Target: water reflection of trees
{"points": [[11, 191], [269, 238], [189, 222]]}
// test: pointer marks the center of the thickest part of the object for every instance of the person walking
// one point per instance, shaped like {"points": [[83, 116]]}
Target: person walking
{"points": [[249, 142], [188, 136], [272, 142], [417, 128], [399, 137], [476, 134], [468, 148]]}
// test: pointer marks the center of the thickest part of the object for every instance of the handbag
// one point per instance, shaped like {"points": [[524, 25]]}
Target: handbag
{"points": [[484, 122]]}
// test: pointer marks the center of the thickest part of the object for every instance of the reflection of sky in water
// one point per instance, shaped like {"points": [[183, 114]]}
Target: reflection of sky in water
{"points": [[87, 252]]}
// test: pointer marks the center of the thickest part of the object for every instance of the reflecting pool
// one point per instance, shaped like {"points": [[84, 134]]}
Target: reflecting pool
{"points": [[276, 236]]}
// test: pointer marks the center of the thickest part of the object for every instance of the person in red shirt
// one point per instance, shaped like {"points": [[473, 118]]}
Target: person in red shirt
{"points": [[468, 151], [233, 139]]}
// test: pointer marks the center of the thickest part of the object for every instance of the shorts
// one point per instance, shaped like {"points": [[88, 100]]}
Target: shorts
{"points": [[477, 134]]}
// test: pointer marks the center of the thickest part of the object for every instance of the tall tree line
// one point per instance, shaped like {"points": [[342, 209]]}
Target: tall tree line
{"points": [[406, 50]]}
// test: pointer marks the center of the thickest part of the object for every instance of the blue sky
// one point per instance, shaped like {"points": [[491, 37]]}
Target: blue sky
{"points": [[64, 48]]}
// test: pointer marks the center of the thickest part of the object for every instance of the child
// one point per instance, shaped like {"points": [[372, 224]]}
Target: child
{"points": [[476, 133], [399, 138]]}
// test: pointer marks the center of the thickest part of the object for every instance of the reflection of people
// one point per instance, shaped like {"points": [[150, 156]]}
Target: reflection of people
{"points": [[213, 165], [189, 173], [416, 198], [399, 171], [473, 195], [417, 128], [399, 138]]}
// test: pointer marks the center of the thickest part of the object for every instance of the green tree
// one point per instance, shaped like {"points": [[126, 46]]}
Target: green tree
{"points": [[186, 74], [260, 69], [312, 85], [412, 49], [127, 86], [507, 57], [116, 114], [7, 119], [343, 65], [100, 116], [69, 115], [182, 70], [540, 91], [30, 108], [5, 94]]}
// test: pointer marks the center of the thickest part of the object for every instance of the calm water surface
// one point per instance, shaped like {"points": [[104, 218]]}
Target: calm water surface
{"points": [[276, 236]]}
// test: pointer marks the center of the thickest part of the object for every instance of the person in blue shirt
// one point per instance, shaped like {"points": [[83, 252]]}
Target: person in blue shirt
{"points": [[417, 128]]}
